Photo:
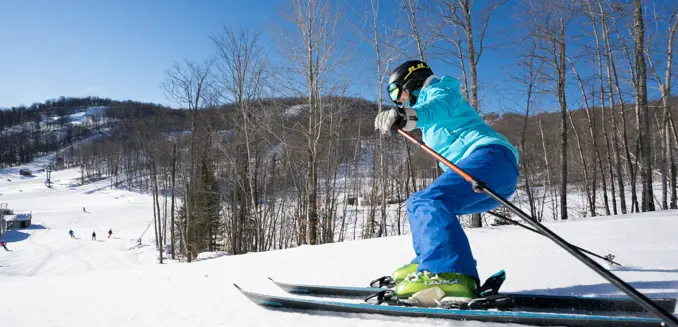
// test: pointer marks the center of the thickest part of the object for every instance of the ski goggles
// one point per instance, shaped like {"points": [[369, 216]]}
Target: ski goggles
{"points": [[394, 91]]}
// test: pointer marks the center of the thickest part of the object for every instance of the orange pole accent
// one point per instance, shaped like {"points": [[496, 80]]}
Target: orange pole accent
{"points": [[442, 159]]}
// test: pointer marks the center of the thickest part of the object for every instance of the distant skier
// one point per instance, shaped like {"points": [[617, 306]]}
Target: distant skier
{"points": [[83, 209], [4, 245], [70, 232], [110, 232], [94, 236]]}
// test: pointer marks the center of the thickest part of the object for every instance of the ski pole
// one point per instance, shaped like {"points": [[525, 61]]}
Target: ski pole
{"points": [[609, 258], [480, 186]]}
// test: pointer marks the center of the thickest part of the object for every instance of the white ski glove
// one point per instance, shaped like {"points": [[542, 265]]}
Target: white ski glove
{"points": [[396, 118]]}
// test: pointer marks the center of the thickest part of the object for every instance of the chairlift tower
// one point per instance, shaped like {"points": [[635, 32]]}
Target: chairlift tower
{"points": [[48, 175], [3, 224]]}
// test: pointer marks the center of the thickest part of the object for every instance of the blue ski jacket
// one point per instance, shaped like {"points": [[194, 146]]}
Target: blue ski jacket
{"points": [[449, 124]]}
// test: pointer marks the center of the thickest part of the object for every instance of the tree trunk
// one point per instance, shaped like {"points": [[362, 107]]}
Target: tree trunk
{"points": [[665, 157], [672, 169], [604, 121], [174, 176], [642, 109], [161, 248], [312, 176], [563, 118], [384, 180], [410, 168], [667, 160], [625, 138], [155, 222], [523, 135], [411, 10], [376, 42], [476, 219], [549, 179], [164, 209], [587, 190], [473, 61], [596, 155]]}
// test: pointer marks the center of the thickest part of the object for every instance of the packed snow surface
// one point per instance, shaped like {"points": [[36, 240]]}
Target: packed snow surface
{"points": [[49, 279]]}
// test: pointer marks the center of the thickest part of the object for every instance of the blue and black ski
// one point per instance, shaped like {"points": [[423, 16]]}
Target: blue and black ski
{"points": [[516, 317], [493, 299]]}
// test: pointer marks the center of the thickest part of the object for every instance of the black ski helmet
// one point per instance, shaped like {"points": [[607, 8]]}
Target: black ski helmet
{"points": [[409, 76]]}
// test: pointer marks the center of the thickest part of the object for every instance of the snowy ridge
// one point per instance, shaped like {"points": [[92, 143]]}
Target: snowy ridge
{"points": [[38, 165], [81, 117], [51, 123]]}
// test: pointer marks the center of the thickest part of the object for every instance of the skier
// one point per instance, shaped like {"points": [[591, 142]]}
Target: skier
{"points": [[4, 245], [110, 232], [70, 232], [444, 268], [94, 236]]}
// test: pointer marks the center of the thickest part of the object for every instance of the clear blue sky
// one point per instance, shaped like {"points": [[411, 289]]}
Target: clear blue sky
{"points": [[108, 48], [120, 48]]}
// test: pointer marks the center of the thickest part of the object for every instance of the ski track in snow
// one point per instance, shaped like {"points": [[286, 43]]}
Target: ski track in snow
{"points": [[50, 279]]}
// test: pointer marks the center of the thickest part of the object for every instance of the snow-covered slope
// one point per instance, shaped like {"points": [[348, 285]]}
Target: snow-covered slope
{"points": [[86, 116], [81, 117], [51, 280], [46, 248]]}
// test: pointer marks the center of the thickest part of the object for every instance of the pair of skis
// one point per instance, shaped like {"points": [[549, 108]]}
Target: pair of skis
{"points": [[529, 309]]}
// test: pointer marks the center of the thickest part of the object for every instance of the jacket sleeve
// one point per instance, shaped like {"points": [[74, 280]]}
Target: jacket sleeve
{"points": [[439, 104]]}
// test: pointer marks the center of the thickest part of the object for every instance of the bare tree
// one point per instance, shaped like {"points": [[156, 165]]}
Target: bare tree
{"points": [[457, 14], [456, 39], [530, 69], [242, 64], [374, 35], [613, 81], [642, 107], [559, 63], [312, 58], [546, 23], [589, 188], [173, 173], [549, 178], [189, 86], [592, 15], [417, 32], [423, 37], [665, 89]]}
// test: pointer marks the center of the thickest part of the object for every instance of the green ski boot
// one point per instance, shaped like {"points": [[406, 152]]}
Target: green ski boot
{"points": [[401, 273], [424, 289], [397, 276]]}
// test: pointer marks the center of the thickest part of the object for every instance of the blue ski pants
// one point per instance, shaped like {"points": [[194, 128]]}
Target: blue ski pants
{"points": [[440, 244]]}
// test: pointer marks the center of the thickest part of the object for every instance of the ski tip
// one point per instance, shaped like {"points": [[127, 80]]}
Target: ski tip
{"points": [[271, 279], [501, 274], [238, 287]]}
